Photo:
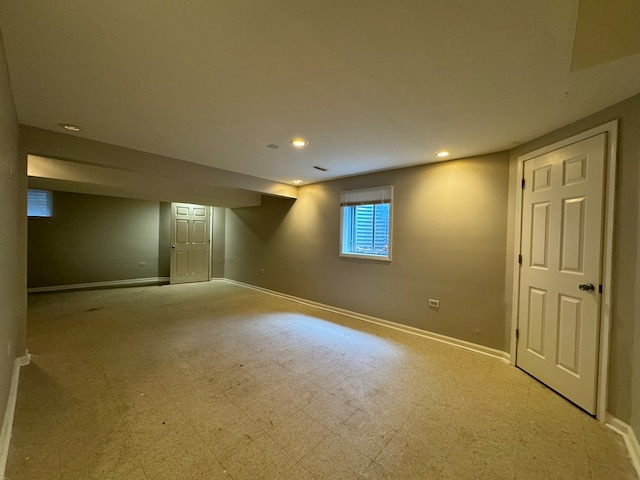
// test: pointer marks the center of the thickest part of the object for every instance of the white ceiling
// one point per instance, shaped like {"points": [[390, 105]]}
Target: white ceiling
{"points": [[371, 84]]}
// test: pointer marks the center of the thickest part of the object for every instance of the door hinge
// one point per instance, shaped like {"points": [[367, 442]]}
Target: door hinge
{"points": [[520, 259], [517, 333], [600, 288], [523, 183]]}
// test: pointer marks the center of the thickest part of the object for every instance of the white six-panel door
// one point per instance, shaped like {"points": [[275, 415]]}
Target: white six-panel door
{"points": [[190, 246], [560, 275]]}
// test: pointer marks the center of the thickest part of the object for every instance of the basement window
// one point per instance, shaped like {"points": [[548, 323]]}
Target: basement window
{"points": [[365, 226], [38, 203]]}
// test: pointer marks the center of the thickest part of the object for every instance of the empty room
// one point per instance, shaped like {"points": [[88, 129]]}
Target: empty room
{"points": [[319, 240]]}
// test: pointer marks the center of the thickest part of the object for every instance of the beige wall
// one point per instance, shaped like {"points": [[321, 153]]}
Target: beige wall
{"points": [[449, 236], [92, 238], [624, 382], [12, 238]]}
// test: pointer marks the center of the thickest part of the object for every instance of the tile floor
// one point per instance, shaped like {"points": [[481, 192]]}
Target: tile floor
{"points": [[216, 381]]}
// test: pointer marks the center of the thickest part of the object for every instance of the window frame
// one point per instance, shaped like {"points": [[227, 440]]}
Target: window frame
{"points": [[366, 196]]}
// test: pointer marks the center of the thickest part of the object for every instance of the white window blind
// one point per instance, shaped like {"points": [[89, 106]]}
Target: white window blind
{"points": [[38, 203], [370, 196]]}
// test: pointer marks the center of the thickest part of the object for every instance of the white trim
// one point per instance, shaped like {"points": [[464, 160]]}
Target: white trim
{"points": [[210, 266], [473, 347], [7, 423], [172, 238], [111, 284], [379, 258], [630, 439], [607, 272], [515, 296], [611, 128]]}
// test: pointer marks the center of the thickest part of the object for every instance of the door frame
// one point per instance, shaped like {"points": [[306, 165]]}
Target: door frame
{"points": [[611, 128], [172, 238]]}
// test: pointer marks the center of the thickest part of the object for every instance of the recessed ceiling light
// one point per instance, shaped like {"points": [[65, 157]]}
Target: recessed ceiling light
{"points": [[442, 153], [70, 127], [297, 182], [299, 142]]}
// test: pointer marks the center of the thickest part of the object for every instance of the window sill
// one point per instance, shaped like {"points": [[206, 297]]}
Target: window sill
{"points": [[366, 257]]}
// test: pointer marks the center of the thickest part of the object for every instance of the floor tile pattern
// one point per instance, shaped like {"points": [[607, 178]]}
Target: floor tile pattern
{"points": [[216, 381]]}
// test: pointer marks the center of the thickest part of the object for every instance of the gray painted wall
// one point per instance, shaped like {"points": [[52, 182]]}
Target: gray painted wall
{"points": [[92, 238], [449, 239], [12, 236], [624, 380]]}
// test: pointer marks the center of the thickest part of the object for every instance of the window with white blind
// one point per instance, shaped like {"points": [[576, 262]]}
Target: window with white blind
{"points": [[38, 203], [366, 223]]}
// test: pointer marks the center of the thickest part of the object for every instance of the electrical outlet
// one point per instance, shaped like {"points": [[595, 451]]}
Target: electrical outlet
{"points": [[142, 264], [434, 303], [262, 271]]}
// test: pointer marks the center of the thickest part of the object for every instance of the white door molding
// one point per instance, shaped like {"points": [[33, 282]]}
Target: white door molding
{"points": [[611, 128], [190, 243]]}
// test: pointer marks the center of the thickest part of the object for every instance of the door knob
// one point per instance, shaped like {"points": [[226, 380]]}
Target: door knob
{"points": [[587, 287], [173, 246]]}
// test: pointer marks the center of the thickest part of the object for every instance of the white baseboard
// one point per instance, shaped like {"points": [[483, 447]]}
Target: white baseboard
{"points": [[7, 423], [473, 347], [109, 284], [630, 439]]}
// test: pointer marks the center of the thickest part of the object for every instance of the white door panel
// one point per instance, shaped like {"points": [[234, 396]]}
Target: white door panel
{"points": [[561, 249], [190, 243]]}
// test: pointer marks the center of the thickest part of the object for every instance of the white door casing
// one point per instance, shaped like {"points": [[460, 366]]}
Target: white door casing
{"points": [[561, 248], [190, 243]]}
